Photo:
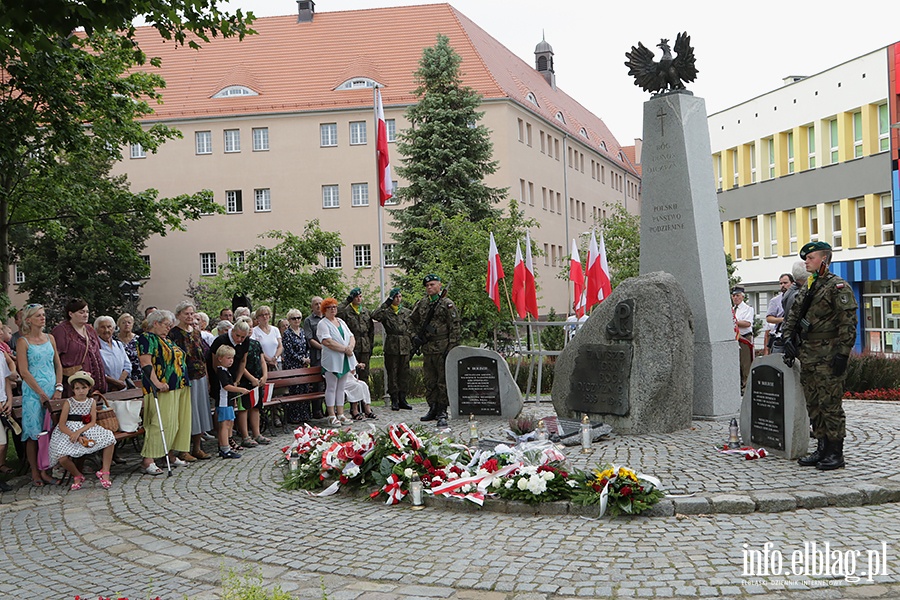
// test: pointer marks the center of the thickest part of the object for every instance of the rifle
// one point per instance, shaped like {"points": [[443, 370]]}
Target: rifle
{"points": [[792, 343], [421, 338]]}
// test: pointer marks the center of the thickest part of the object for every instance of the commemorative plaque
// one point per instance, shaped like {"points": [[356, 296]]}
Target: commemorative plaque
{"points": [[601, 379], [479, 386], [767, 407]]}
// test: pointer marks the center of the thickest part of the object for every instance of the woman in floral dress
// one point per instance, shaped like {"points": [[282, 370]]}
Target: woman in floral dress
{"points": [[296, 356]]}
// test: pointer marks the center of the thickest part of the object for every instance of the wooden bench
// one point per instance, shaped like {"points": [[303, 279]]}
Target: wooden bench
{"points": [[285, 379]]}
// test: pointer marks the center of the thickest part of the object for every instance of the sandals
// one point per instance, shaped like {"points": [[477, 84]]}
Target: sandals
{"points": [[152, 469], [371, 415], [344, 419], [359, 417], [103, 476], [249, 443], [334, 421], [263, 440], [76, 482], [5, 470]]}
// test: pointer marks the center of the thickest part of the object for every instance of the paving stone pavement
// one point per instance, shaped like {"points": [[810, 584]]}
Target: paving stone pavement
{"points": [[172, 537]]}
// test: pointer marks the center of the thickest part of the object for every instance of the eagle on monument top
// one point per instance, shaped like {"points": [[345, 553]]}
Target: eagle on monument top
{"points": [[667, 74]]}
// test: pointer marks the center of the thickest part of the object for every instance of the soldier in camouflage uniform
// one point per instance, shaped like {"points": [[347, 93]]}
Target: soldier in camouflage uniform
{"points": [[397, 345], [826, 335], [359, 320], [440, 335]]}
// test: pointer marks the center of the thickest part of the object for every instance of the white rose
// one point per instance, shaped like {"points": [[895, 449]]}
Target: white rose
{"points": [[408, 473], [547, 475], [508, 484], [451, 476], [481, 473], [572, 483], [497, 482], [352, 471], [522, 483], [467, 488], [536, 485], [529, 470]]}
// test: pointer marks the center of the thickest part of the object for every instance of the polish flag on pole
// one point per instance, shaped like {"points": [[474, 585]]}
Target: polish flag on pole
{"points": [[518, 291], [598, 284], [530, 284], [494, 273], [576, 276], [385, 184]]}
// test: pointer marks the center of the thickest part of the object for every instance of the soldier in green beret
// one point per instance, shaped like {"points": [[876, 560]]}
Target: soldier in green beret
{"points": [[820, 330], [435, 322], [359, 320], [396, 320]]}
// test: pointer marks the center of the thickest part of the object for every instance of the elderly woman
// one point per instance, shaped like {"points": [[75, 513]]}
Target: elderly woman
{"points": [[238, 337], [268, 337], [186, 334], [115, 360], [168, 375], [337, 360], [296, 356], [79, 346], [128, 338], [203, 325], [222, 327]]}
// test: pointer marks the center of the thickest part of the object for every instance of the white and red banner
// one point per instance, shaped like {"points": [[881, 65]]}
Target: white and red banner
{"points": [[494, 274], [260, 396], [385, 184], [531, 305], [518, 291], [576, 276], [599, 286]]}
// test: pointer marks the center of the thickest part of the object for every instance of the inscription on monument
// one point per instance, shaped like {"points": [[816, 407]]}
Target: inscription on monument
{"points": [[600, 379], [767, 407], [479, 386]]}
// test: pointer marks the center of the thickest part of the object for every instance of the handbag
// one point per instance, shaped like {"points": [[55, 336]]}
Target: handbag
{"points": [[106, 416], [43, 453], [69, 371], [129, 414]]}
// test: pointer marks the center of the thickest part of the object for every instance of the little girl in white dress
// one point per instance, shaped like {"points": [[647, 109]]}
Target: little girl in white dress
{"points": [[78, 433]]}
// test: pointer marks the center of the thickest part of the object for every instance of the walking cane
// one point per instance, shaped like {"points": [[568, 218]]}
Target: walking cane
{"points": [[146, 370]]}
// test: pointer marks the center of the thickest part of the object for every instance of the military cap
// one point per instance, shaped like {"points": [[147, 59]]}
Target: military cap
{"points": [[430, 277], [353, 294], [393, 293], [812, 247], [737, 290]]}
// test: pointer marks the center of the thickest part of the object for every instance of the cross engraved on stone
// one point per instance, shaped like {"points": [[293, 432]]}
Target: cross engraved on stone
{"points": [[660, 115]]}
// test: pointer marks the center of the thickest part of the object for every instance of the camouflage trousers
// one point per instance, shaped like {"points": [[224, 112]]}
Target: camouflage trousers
{"points": [[435, 375], [397, 368], [363, 373], [823, 393]]}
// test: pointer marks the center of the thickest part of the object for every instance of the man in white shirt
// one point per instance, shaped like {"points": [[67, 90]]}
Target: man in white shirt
{"points": [[743, 319]]}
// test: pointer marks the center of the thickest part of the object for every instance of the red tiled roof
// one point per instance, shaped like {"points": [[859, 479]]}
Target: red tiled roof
{"points": [[295, 67], [630, 153]]}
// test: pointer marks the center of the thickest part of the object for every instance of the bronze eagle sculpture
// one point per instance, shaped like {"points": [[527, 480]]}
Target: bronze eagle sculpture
{"points": [[667, 74]]}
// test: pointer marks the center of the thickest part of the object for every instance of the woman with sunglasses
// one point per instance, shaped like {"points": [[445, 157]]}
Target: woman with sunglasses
{"points": [[296, 356]]}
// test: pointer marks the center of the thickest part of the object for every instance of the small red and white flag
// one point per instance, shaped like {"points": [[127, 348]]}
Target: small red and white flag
{"points": [[530, 284], [599, 286], [518, 291], [259, 396], [576, 276], [385, 184], [494, 273]]}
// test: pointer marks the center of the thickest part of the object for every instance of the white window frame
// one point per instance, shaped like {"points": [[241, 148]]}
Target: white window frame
{"points": [[773, 235], [18, 275], [232, 141], [359, 194], [234, 202], [334, 261], [719, 177], [389, 255], [390, 128], [884, 128], [203, 142], [754, 237], [811, 145], [813, 223], [393, 200], [362, 256], [834, 141], [735, 168], [235, 90], [887, 219], [208, 265], [790, 151], [328, 135], [753, 163], [331, 196], [738, 247], [770, 146], [358, 134], [260, 139], [857, 134], [236, 258], [137, 151], [262, 200], [837, 234], [792, 230], [859, 206]]}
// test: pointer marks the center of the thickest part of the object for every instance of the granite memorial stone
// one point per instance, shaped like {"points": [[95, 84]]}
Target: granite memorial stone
{"points": [[773, 412], [631, 364], [479, 383]]}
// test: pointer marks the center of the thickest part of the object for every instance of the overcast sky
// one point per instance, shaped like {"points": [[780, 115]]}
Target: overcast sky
{"points": [[741, 52]]}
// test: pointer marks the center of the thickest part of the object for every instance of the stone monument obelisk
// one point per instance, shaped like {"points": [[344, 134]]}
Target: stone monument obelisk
{"points": [[681, 232]]}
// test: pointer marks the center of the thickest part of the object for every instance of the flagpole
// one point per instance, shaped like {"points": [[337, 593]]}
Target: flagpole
{"points": [[380, 208]]}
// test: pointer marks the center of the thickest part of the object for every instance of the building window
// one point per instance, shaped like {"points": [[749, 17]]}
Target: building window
{"points": [[262, 200], [773, 235], [359, 194], [753, 163], [754, 234], [330, 197], [560, 117], [137, 151], [391, 129], [203, 142], [530, 97], [811, 145], [334, 261], [234, 202], [857, 135], [521, 124], [884, 128], [860, 221], [887, 219], [208, 265], [719, 172], [738, 250], [543, 143], [792, 230], [790, 151], [390, 255], [813, 224], [393, 200], [362, 256], [236, 258], [583, 133], [836, 236], [328, 134], [235, 90], [357, 133], [232, 140], [146, 259], [530, 194], [260, 139], [356, 83], [528, 134], [771, 144], [833, 140], [19, 276], [734, 167]]}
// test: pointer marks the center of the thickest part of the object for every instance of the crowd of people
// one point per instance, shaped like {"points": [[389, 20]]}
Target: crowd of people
{"points": [[203, 381]]}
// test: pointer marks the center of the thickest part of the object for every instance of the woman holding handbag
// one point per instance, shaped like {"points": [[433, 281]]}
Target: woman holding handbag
{"points": [[41, 373], [79, 346]]}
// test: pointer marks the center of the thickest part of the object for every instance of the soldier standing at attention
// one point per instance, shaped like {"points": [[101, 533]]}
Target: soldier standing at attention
{"points": [[820, 331], [397, 345], [359, 320], [436, 323]]}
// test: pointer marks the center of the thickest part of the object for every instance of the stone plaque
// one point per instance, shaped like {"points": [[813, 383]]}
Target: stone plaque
{"points": [[479, 386], [600, 379], [767, 408]]}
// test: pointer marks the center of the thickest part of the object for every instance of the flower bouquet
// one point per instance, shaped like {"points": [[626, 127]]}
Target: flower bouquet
{"points": [[326, 454], [534, 484], [618, 490]]}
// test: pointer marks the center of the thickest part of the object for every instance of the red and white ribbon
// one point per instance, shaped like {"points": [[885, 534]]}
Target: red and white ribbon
{"points": [[747, 452], [393, 490]]}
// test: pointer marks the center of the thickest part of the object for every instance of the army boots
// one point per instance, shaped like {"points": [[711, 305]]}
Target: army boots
{"points": [[403, 403], [812, 459], [834, 456]]}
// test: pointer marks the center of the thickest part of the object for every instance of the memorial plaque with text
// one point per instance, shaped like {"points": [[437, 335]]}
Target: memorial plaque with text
{"points": [[600, 380], [479, 386], [767, 407]]}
